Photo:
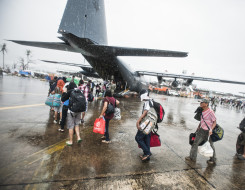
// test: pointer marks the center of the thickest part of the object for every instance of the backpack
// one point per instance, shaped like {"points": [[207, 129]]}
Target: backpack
{"points": [[239, 147], [192, 138], [149, 122], [90, 97], [77, 101], [242, 125], [159, 110], [198, 113], [110, 108]]}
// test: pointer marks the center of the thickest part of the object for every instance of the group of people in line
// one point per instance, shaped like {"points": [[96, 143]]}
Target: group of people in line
{"points": [[59, 85], [74, 119], [226, 102]]}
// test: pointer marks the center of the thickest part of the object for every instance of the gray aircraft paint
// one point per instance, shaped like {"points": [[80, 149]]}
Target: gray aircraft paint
{"points": [[83, 30], [85, 19]]}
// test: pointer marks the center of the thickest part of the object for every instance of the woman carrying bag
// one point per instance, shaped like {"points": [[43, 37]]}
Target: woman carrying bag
{"points": [[107, 112]]}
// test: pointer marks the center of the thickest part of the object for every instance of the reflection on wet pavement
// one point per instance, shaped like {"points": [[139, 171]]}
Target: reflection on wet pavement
{"points": [[34, 155]]}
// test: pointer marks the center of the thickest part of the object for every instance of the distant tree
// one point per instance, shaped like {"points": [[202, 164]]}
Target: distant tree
{"points": [[22, 63], [3, 50], [14, 66], [28, 53]]}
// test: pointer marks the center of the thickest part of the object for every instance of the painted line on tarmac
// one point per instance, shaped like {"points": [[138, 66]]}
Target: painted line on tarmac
{"points": [[18, 93], [15, 167], [18, 107]]}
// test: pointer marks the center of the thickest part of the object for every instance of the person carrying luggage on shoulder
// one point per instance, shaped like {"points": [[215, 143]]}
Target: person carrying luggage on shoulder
{"points": [[204, 130], [85, 90], [77, 104], [64, 109], [97, 90], [240, 146], [58, 109], [108, 113], [142, 139]]}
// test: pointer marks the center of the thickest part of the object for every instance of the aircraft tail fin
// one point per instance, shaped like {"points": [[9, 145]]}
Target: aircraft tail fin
{"points": [[85, 19]]}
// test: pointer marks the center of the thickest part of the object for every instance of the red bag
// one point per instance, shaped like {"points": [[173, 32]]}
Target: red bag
{"points": [[155, 140], [99, 126]]}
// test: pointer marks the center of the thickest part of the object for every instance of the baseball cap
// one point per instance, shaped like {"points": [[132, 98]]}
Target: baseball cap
{"points": [[204, 101]]}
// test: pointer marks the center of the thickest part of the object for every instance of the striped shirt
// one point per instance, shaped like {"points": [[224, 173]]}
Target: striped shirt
{"points": [[209, 118]]}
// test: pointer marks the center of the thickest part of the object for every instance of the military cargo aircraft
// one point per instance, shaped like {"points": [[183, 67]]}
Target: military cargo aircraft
{"points": [[83, 30]]}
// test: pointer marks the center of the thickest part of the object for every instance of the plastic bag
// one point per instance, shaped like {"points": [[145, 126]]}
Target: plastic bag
{"points": [[99, 126], [117, 114], [206, 150]]}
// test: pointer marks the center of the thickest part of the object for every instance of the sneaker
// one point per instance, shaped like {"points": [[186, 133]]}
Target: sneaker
{"points": [[82, 121], [61, 130], [55, 121], [105, 141], [60, 122], [189, 159]]}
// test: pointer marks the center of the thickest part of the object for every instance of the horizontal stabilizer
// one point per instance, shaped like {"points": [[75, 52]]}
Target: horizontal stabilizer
{"points": [[169, 75], [125, 51], [50, 45]]}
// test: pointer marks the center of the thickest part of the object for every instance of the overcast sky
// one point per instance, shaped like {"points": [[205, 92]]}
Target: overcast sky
{"points": [[212, 31]]}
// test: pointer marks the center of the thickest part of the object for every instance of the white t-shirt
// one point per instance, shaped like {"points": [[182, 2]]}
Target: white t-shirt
{"points": [[147, 105]]}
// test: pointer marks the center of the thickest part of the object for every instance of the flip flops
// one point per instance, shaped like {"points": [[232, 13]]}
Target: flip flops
{"points": [[68, 143]]}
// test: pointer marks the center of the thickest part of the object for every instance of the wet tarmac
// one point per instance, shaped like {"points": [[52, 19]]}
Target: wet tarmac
{"points": [[33, 154]]}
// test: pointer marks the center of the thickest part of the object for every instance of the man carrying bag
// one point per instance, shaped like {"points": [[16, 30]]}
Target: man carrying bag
{"points": [[204, 130]]}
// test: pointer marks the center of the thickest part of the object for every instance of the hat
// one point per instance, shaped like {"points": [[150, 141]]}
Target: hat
{"points": [[205, 101]]}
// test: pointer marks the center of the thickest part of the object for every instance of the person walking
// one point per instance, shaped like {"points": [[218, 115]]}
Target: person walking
{"points": [[73, 118], [108, 116], [241, 141], [142, 139], [204, 130], [113, 87], [85, 90]]}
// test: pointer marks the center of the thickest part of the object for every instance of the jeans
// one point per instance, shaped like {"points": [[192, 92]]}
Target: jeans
{"points": [[64, 115], [143, 141], [107, 129]]}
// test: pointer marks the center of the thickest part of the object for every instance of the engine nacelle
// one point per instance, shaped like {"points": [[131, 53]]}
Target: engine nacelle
{"points": [[175, 84], [159, 79], [188, 82]]}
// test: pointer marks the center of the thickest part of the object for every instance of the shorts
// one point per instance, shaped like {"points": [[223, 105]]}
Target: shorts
{"points": [[243, 141], [58, 109], [73, 119]]}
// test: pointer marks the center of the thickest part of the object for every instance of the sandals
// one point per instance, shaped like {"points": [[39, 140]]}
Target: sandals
{"points": [[105, 141], [146, 158]]}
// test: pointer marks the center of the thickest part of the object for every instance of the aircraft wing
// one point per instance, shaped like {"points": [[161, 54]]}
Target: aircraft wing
{"points": [[169, 75], [66, 63], [101, 49], [125, 51], [50, 45]]}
